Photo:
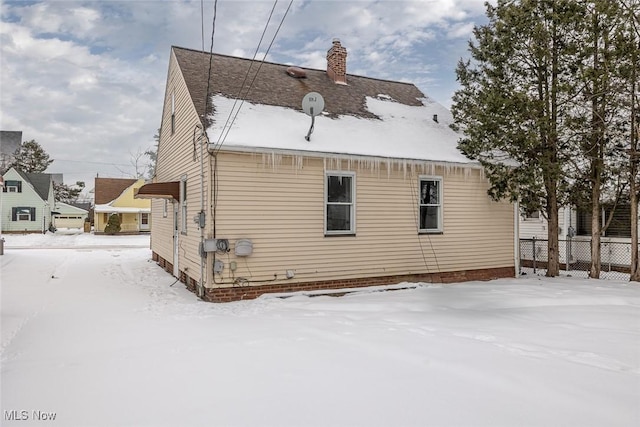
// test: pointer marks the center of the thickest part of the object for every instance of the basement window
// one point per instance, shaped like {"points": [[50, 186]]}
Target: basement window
{"points": [[430, 204], [340, 203]]}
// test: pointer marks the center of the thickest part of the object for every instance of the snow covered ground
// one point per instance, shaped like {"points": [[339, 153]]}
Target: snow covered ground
{"points": [[96, 335]]}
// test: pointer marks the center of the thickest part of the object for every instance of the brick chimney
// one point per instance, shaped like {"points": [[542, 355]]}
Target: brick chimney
{"points": [[337, 63]]}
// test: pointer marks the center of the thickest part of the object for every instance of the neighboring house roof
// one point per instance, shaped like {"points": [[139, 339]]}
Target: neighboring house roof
{"points": [[364, 117], [109, 189], [10, 141], [81, 205], [41, 182], [107, 208], [67, 208]]}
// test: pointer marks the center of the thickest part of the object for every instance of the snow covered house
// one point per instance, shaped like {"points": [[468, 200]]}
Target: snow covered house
{"points": [[26, 202], [247, 201], [116, 196]]}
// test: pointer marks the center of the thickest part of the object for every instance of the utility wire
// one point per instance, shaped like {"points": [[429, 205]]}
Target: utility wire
{"points": [[254, 78], [213, 32], [246, 76], [86, 161], [202, 22]]}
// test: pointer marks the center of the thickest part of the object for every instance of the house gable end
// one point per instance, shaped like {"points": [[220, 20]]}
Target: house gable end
{"points": [[180, 121], [108, 189], [126, 198]]}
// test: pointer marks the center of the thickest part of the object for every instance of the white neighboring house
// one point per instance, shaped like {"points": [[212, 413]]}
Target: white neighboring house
{"points": [[27, 202], [576, 224], [69, 216]]}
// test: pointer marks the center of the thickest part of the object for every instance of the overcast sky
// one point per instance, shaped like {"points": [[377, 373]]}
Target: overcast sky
{"points": [[86, 79]]}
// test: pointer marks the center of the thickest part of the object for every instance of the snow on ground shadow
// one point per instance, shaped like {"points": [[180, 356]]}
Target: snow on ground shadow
{"points": [[99, 335]]}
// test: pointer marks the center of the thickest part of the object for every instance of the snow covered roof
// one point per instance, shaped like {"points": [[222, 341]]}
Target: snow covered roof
{"points": [[365, 117], [107, 208], [65, 208], [401, 131]]}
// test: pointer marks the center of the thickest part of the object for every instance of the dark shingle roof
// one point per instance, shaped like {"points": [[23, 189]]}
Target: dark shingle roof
{"points": [[40, 181], [108, 189], [274, 86]]}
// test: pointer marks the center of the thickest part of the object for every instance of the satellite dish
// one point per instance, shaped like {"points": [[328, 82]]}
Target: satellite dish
{"points": [[312, 105]]}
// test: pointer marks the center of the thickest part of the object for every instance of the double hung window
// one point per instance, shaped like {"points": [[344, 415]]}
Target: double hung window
{"points": [[340, 203], [430, 204]]}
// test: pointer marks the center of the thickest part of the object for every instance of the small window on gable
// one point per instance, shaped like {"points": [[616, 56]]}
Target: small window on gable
{"points": [[340, 203], [430, 204], [11, 186]]}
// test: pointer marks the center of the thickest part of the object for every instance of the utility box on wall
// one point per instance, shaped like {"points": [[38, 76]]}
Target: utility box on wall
{"points": [[216, 245], [244, 247]]}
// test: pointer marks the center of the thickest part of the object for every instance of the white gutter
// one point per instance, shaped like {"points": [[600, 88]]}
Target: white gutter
{"points": [[346, 156]]}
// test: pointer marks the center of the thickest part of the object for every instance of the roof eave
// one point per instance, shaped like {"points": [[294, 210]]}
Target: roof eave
{"points": [[351, 156]]}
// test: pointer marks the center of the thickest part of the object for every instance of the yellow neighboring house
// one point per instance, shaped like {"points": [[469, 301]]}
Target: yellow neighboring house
{"points": [[115, 196]]}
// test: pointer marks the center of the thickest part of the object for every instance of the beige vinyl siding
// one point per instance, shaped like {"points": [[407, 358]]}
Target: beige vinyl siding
{"points": [[175, 159], [278, 203], [282, 210], [162, 229]]}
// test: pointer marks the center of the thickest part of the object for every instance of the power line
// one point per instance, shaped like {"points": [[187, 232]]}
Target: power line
{"points": [[246, 76], [86, 161], [255, 76], [213, 32]]}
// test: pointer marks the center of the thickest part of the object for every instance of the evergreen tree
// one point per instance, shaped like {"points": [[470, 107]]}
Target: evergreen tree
{"points": [[66, 193], [31, 157], [113, 225], [595, 112], [628, 43], [601, 118], [511, 100]]}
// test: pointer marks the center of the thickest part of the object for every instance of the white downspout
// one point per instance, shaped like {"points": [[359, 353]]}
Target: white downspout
{"points": [[516, 237], [201, 224]]}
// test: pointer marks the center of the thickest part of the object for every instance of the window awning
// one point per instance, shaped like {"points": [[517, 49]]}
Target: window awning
{"points": [[159, 190]]}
